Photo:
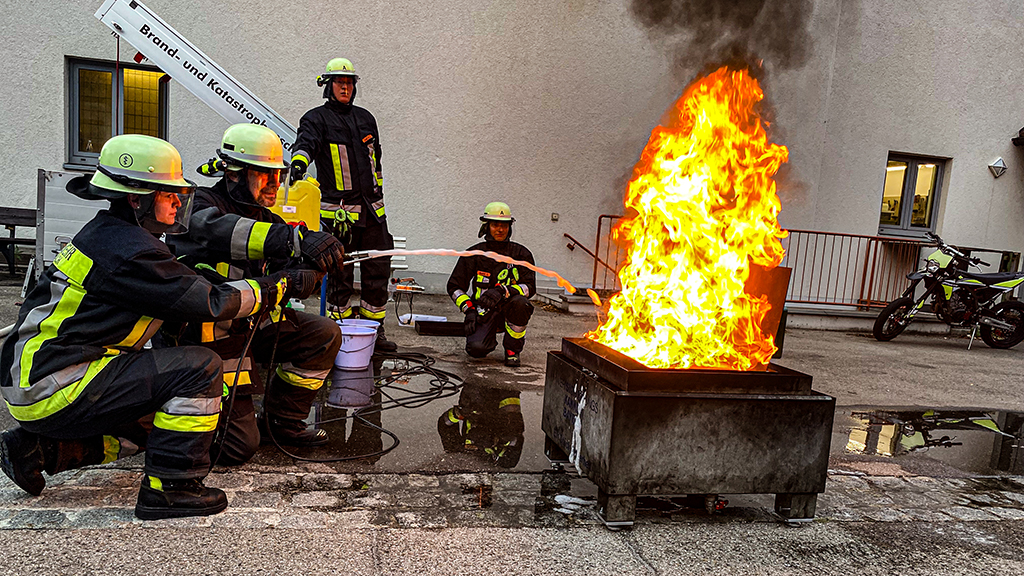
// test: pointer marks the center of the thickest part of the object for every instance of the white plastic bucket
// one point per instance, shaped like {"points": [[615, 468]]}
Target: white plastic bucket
{"points": [[356, 347], [359, 322]]}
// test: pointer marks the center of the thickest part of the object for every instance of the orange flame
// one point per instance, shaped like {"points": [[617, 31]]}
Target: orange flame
{"points": [[706, 210]]}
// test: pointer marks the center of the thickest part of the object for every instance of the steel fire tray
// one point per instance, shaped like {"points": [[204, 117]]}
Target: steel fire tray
{"points": [[627, 374]]}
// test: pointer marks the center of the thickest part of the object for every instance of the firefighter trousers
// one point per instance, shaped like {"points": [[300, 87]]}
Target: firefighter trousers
{"points": [[373, 275], [304, 347], [511, 315], [182, 386]]}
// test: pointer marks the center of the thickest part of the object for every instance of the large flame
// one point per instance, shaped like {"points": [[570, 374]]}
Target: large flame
{"points": [[705, 210]]}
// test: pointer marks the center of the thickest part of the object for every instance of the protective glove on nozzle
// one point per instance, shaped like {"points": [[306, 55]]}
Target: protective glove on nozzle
{"points": [[302, 282], [321, 249], [298, 169]]}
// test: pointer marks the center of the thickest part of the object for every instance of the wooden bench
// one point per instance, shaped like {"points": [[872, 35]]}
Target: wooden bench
{"points": [[11, 218]]}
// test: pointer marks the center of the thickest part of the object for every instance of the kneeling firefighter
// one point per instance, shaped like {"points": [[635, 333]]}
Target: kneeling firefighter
{"points": [[74, 372], [494, 295], [487, 422], [232, 236]]}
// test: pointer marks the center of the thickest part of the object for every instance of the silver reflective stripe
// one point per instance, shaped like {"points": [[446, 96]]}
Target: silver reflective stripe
{"points": [[144, 174], [231, 364], [30, 327], [46, 386], [240, 238], [526, 290], [329, 206], [296, 243], [305, 372], [191, 406], [367, 306], [257, 157], [346, 172], [357, 208], [249, 298]]}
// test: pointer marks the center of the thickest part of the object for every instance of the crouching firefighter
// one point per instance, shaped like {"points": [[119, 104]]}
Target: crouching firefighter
{"points": [[74, 372], [343, 141], [234, 236], [494, 295]]}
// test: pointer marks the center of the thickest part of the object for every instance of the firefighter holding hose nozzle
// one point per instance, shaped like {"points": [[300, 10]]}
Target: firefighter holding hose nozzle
{"points": [[494, 295]]}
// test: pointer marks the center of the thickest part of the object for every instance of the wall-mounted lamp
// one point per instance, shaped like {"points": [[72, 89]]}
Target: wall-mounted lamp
{"points": [[998, 168]]}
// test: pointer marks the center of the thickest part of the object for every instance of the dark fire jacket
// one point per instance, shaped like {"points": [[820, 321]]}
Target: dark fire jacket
{"points": [[107, 293], [473, 275], [344, 142]]}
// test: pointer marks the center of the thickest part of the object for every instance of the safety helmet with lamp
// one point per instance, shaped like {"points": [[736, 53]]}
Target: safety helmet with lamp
{"points": [[252, 146], [139, 165], [337, 68], [496, 212]]}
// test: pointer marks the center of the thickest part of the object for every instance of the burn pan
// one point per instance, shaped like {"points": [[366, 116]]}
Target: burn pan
{"points": [[636, 431]]}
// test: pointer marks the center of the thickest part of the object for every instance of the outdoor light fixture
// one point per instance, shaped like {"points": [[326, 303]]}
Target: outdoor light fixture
{"points": [[998, 168]]}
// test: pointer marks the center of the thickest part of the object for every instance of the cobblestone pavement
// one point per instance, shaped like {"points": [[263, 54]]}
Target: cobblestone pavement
{"points": [[307, 497]]}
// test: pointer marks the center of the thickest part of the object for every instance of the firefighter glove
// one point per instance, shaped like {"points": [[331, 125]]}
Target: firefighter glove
{"points": [[298, 169], [273, 289], [302, 282], [489, 299], [467, 306], [322, 249], [469, 324], [213, 167]]}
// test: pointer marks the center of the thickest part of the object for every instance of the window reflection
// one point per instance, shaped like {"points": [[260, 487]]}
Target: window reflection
{"points": [[895, 175]]}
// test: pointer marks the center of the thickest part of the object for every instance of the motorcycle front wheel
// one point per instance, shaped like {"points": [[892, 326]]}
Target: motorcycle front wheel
{"points": [[892, 320], [1011, 312]]}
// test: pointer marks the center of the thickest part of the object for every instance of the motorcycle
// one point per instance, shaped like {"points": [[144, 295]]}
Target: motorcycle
{"points": [[958, 298]]}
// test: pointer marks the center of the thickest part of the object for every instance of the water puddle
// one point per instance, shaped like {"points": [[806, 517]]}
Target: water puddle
{"points": [[940, 442]]}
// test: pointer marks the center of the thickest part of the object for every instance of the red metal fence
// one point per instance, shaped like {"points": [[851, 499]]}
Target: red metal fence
{"points": [[829, 268]]}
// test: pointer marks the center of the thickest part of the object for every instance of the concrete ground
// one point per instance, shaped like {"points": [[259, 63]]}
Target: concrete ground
{"points": [[950, 509]]}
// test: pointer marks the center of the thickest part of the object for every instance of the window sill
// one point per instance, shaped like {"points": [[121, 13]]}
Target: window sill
{"points": [[903, 233], [79, 167]]}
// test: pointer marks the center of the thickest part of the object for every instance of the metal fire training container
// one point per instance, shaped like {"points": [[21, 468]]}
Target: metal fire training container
{"points": [[634, 430]]}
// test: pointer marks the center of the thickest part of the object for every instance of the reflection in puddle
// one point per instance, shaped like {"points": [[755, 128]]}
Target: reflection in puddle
{"points": [[487, 423], [986, 442]]}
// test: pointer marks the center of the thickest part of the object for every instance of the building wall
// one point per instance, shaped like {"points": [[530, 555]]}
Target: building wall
{"points": [[547, 105]]}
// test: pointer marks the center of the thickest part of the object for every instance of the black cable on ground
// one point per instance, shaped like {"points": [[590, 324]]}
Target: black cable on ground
{"points": [[443, 384]]}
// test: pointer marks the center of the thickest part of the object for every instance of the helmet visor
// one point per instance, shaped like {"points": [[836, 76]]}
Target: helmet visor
{"points": [[172, 210]]}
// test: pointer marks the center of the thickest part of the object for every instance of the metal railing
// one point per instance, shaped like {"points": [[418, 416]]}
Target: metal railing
{"points": [[848, 269], [829, 268]]}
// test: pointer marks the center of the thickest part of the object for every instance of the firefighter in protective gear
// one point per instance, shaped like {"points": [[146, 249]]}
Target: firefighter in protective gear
{"points": [[233, 236], [494, 295], [74, 372], [487, 422], [343, 141]]}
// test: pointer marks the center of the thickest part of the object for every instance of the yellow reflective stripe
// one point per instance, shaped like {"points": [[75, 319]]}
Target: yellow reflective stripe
{"points": [[460, 300], [186, 423], [61, 398], [513, 333], [156, 484], [207, 335], [257, 238], [138, 331], [111, 449], [380, 179], [452, 417], [223, 268], [76, 267], [519, 289], [371, 314], [301, 157], [299, 381], [509, 402], [243, 378], [259, 293], [380, 211], [342, 180], [327, 214]]}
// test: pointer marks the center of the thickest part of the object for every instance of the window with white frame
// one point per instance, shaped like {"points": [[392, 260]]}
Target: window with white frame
{"points": [[105, 100]]}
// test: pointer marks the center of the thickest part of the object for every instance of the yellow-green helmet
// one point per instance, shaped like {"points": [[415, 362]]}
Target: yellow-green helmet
{"points": [[133, 164], [140, 165], [253, 146], [497, 212], [337, 67]]}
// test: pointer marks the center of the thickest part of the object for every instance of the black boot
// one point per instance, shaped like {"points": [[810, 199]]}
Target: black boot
{"points": [[383, 344], [290, 433], [177, 499], [23, 459]]}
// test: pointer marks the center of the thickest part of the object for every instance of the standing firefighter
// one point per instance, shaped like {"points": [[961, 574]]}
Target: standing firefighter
{"points": [[74, 372], [343, 141], [233, 236], [494, 295]]}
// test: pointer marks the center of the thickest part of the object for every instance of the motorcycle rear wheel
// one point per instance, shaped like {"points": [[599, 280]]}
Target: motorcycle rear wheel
{"points": [[1011, 312], [891, 320]]}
